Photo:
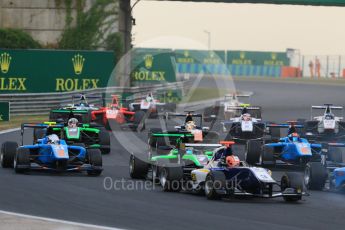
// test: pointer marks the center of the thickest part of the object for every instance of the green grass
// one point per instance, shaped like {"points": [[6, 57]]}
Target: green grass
{"points": [[16, 121]]}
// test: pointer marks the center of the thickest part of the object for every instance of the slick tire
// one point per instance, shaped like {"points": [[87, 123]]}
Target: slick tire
{"points": [[95, 159], [21, 162], [8, 153]]}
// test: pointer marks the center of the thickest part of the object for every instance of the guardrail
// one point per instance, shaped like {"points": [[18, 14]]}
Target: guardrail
{"points": [[42, 103]]}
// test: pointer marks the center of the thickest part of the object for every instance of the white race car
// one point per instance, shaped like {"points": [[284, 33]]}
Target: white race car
{"points": [[153, 106], [327, 125]]}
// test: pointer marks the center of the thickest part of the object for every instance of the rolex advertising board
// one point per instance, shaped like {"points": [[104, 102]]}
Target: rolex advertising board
{"points": [[257, 58], [39, 71], [197, 61], [152, 66]]}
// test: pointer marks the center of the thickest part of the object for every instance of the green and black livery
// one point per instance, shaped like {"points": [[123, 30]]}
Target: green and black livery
{"points": [[83, 135]]}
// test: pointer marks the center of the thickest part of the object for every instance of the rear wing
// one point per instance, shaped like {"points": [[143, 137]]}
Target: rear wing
{"points": [[44, 125], [168, 115], [84, 97], [283, 126], [202, 145], [254, 111], [170, 138], [327, 106], [182, 115], [328, 109], [242, 106], [62, 115], [291, 126], [41, 125]]}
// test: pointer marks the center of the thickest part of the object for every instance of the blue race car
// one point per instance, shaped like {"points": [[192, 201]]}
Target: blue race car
{"points": [[51, 154], [291, 149], [329, 173]]}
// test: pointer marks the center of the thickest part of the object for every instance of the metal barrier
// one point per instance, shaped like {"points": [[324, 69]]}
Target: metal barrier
{"points": [[42, 103]]}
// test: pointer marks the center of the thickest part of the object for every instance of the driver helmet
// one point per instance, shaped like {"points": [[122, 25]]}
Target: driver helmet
{"points": [[149, 98], [246, 117], [232, 161], [53, 139], [72, 123], [294, 136], [190, 125], [189, 151], [329, 116]]}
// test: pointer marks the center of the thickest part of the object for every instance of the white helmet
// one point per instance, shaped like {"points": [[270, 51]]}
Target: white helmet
{"points": [[73, 122], [53, 139]]}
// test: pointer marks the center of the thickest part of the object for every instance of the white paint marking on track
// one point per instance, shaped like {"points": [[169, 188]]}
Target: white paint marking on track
{"points": [[59, 221], [9, 130]]}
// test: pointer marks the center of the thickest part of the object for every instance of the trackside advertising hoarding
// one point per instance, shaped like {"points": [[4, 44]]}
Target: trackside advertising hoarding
{"points": [[257, 58], [152, 66], [40, 71]]}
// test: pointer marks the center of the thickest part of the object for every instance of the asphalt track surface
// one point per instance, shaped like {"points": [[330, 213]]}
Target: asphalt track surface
{"points": [[77, 197]]}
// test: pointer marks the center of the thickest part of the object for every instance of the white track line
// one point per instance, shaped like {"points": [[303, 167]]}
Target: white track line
{"points": [[58, 221], [9, 130]]}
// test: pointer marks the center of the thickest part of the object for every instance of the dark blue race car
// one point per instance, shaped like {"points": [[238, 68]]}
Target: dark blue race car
{"points": [[51, 154], [291, 149], [329, 173]]}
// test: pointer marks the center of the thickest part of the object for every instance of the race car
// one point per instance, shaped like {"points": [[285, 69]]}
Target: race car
{"points": [[291, 149], [112, 116], [329, 172], [152, 106], [247, 126], [225, 176], [169, 147], [115, 116], [224, 110], [81, 110], [50, 154], [326, 127], [75, 133], [192, 124]]}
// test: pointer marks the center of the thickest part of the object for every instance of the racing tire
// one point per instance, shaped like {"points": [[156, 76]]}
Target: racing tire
{"points": [[138, 169], [336, 155], [170, 178], [253, 152], [104, 140], [267, 155], [157, 167], [294, 181], [275, 134], [315, 175], [139, 121], [21, 163], [8, 153], [214, 180], [95, 160]]}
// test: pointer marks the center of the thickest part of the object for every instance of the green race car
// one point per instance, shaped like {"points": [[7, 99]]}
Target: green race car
{"points": [[82, 135], [170, 148]]}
